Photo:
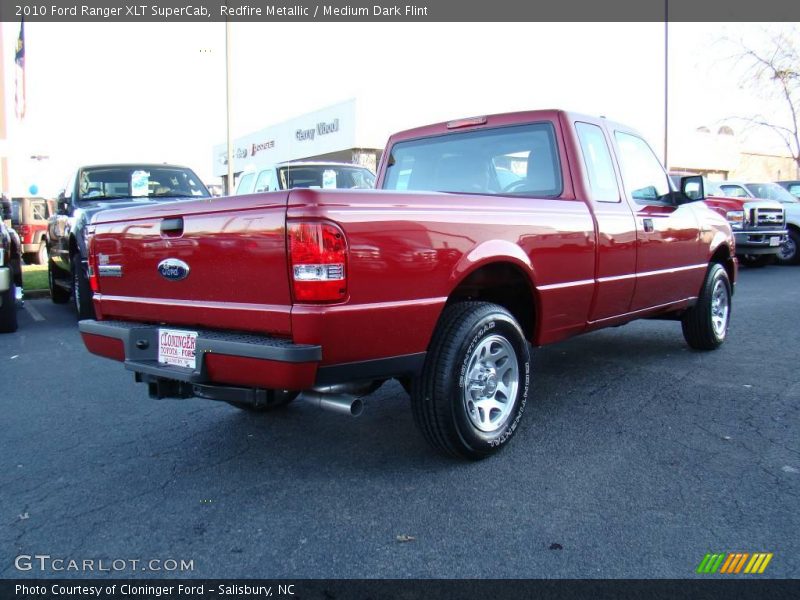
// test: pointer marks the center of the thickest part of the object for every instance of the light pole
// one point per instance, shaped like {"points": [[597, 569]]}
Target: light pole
{"points": [[229, 181], [666, 82]]}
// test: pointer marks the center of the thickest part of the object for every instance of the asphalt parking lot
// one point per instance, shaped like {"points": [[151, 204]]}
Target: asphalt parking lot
{"points": [[636, 458]]}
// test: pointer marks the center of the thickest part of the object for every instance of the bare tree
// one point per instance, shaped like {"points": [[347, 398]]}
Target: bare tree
{"points": [[772, 72]]}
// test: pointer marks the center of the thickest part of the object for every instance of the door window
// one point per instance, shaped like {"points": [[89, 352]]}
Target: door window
{"points": [[266, 181], [246, 184], [644, 177]]}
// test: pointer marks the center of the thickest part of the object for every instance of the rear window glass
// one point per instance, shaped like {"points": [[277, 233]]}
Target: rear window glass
{"points": [[519, 160]]}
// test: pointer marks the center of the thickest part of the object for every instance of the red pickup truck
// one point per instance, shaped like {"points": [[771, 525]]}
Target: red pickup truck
{"points": [[486, 236]]}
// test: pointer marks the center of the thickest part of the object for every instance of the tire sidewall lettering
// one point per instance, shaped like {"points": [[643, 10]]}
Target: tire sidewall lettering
{"points": [[474, 342], [509, 330]]}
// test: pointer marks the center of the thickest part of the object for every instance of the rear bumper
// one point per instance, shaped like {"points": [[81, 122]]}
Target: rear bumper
{"points": [[221, 358], [758, 242]]}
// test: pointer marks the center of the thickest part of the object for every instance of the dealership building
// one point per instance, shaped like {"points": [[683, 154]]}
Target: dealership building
{"points": [[328, 134]]}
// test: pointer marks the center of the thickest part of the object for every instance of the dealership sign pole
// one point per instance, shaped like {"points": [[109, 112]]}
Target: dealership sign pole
{"points": [[229, 182]]}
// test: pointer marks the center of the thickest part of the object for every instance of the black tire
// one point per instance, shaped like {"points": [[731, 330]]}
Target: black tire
{"points": [[756, 261], [445, 408], [40, 257], [277, 399], [8, 310], [790, 249], [57, 294], [81, 292], [705, 327]]}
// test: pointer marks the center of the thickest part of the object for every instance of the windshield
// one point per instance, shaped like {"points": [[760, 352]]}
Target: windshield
{"points": [[132, 181], [326, 176], [771, 191], [517, 160]]}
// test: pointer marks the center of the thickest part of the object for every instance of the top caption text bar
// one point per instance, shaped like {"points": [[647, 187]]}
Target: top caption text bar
{"points": [[415, 11]]}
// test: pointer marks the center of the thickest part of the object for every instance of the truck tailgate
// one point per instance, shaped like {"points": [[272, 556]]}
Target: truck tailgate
{"points": [[217, 263]]}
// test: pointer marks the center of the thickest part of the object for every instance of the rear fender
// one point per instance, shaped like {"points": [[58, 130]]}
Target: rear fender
{"points": [[488, 252]]}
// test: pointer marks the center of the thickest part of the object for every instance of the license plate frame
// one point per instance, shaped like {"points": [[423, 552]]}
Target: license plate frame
{"points": [[774, 241], [177, 348]]}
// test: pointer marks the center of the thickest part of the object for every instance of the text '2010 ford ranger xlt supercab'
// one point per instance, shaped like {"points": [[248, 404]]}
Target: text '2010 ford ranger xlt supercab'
{"points": [[486, 236]]}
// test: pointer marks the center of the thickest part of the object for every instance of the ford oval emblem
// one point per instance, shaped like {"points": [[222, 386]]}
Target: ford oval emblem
{"points": [[173, 269]]}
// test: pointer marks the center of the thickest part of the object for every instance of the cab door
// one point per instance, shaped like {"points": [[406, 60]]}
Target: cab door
{"points": [[616, 227], [670, 260]]}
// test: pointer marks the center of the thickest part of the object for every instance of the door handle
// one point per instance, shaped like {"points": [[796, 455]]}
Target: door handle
{"points": [[172, 227], [648, 226]]}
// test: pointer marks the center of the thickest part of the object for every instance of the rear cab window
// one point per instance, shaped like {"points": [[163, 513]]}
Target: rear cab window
{"points": [[517, 160], [598, 163]]}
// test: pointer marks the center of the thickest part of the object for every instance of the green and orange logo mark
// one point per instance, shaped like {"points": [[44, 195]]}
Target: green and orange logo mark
{"points": [[734, 563]]}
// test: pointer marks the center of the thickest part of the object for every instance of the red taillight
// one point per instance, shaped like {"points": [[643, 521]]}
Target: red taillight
{"points": [[94, 280], [317, 261]]}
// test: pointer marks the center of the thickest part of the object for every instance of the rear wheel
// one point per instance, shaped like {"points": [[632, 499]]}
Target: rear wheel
{"points": [[8, 310], [57, 294], [470, 396], [705, 325], [81, 292], [789, 253]]}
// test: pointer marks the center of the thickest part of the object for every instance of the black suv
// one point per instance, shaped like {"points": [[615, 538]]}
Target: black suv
{"points": [[90, 190]]}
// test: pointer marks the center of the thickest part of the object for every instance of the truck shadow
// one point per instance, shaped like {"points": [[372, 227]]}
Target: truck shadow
{"points": [[301, 439]]}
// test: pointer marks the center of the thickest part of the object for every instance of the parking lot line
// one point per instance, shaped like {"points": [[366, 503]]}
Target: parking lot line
{"points": [[33, 312]]}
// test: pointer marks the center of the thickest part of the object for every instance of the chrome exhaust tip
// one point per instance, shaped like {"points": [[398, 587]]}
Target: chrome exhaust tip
{"points": [[344, 404]]}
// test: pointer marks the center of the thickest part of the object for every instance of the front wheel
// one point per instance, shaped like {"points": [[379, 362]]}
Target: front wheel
{"points": [[57, 294], [471, 394], [789, 253], [705, 325], [81, 292]]}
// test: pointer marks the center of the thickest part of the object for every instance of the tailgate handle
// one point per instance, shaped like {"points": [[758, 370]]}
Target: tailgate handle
{"points": [[172, 226]]}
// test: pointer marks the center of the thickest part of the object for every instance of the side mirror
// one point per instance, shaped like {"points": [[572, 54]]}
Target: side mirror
{"points": [[692, 187], [63, 207]]}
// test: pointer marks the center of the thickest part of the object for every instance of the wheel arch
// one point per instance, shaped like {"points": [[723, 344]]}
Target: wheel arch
{"points": [[504, 280], [722, 256]]}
